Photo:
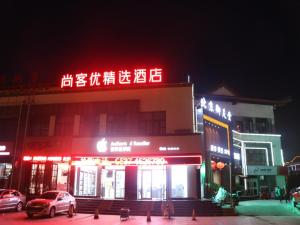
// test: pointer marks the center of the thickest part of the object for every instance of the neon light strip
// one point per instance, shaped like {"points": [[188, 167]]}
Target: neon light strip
{"points": [[27, 158], [265, 142], [4, 153], [244, 156], [297, 156], [266, 151], [274, 135], [282, 159], [2, 148], [221, 124], [236, 145]]}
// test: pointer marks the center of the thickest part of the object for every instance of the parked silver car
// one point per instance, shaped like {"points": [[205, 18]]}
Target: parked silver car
{"points": [[50, 203], [11, 199]]}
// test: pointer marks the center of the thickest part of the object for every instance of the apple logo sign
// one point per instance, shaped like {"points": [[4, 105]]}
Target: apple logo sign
{"points": [[102, 145]]}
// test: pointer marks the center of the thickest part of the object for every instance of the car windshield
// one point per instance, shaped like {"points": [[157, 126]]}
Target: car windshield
{"points": [[49, 195]]}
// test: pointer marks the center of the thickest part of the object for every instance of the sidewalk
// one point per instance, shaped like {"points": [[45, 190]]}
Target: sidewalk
{"points": [[266, 208]]}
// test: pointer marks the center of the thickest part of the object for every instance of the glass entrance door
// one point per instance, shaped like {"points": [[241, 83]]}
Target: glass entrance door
{"points": [[151, 182], [146, 184], [113, 182], [120, 183], [252, 186]]}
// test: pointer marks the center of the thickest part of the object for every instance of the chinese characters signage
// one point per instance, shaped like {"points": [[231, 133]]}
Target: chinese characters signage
{"points": [[134, 161], [112, 78], [220, 150], [119, 146], [215, 108], [120, 161]]}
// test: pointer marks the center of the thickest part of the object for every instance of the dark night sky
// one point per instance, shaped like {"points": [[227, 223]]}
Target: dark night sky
{"points": [[251, 47]]}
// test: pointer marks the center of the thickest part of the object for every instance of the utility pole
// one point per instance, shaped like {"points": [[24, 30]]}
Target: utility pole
{"points": [[16, 145]]}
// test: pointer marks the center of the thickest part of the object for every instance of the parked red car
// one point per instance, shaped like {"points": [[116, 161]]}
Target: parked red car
{"points": [[296, 196]]}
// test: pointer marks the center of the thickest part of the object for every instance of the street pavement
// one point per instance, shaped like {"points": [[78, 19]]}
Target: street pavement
{"points": [[255, 212], [20, 218]]}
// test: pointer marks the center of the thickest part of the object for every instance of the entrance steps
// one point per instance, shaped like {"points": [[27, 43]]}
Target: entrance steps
{"points": [[140, 207]]}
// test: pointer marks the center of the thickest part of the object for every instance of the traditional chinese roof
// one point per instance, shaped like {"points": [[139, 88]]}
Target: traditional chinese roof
{"points": [[295, 160], [225, 94]]}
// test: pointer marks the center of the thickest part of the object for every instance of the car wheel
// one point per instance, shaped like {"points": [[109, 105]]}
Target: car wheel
{"points": [[19, 207], [52, 212], [30, 215], [71, 210]]}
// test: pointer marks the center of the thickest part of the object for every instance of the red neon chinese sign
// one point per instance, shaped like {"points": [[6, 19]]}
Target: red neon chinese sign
{"points": [[111, 78]]}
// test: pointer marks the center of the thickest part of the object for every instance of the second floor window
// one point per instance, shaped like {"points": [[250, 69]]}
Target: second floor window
{"points": [[256, 157], [38, 126], [152, 123], [64, 125]]}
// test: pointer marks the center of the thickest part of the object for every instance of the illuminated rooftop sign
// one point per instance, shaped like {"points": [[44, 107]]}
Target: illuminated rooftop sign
{"points": [[215, 108], [119, 146], [112, 78]]}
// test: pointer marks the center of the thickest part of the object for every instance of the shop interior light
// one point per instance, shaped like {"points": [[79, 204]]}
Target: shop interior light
{"points": [[2, 148], [236, 156], [282, 159]]}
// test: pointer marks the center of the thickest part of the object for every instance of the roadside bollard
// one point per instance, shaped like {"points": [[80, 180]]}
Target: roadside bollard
{"points": [[194, 215], [70, 211], [148, 216], [96, 214]]}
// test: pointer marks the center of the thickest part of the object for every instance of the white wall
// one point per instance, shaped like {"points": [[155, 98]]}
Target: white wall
{"points": [[248, 110], [177, 101]]}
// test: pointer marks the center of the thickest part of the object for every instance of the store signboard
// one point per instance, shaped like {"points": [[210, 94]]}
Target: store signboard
{"points": [[110, 78], [217, 136], [137, 161], [261, 170], [137, 146], [215, 108], [52, 146], [118, 161]]}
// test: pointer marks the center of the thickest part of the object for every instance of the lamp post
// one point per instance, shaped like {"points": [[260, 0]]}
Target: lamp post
{"points": [[230, 184]]}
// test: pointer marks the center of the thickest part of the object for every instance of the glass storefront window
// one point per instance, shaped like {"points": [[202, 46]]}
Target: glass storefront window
{"points": [[179, 181], [5, 172], [85, 184], [62, 176], [37, 179]]}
